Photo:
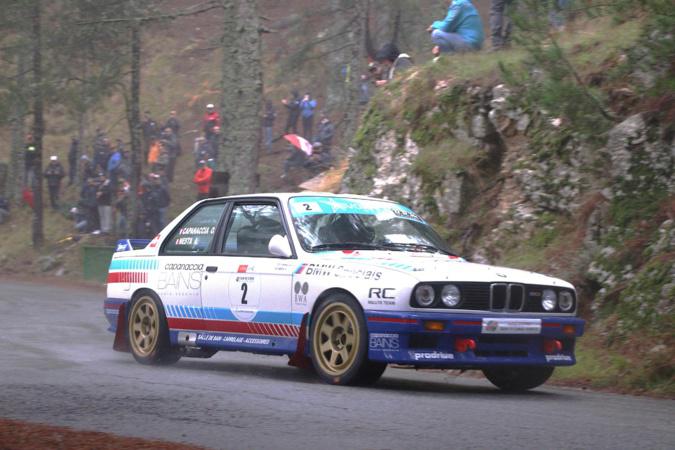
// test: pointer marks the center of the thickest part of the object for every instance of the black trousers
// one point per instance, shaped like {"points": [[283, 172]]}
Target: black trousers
{"points": [[54, 195]]}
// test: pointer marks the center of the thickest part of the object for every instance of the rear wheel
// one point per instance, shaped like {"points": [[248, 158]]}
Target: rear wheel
{"points": [[149, 333], [339, 340], [518, 378]]}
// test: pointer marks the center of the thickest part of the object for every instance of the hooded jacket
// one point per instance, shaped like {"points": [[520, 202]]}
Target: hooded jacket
{"points": [[463, 19], [202, 179]]}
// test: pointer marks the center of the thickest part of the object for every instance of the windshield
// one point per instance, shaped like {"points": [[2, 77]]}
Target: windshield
{"points": [[337, 223]]}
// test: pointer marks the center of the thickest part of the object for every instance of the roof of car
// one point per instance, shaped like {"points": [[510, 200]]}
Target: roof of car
{"points": [[287, 195]]}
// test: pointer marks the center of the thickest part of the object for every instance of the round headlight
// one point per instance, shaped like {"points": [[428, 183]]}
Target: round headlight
{"points": [[451, 295], [566, 301], [548, 300], [424, 295]]}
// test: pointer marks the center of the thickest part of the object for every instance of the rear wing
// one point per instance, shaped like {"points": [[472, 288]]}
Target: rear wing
{"points": [[125, 245]]}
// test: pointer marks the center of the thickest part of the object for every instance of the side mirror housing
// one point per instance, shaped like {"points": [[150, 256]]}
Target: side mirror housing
{"points": [[279, 246]]}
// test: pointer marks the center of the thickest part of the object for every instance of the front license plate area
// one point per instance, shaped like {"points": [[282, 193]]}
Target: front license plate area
{"points": [[511, 326]]}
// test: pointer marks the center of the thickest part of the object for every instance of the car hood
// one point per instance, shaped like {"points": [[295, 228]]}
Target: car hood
{"points": [[437, 267]]}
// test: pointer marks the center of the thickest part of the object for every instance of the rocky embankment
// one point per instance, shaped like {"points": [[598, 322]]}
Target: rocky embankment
{"points": [[510, 183]]}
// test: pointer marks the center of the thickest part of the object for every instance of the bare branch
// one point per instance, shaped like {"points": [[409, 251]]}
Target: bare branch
{"points": [[188, 12]]}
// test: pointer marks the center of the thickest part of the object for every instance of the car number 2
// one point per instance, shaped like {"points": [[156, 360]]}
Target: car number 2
{"points": [[244, 295], [244, 290]]}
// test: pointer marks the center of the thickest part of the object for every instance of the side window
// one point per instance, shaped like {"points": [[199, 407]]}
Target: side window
{"points": [[250, 228], [194, 235]]}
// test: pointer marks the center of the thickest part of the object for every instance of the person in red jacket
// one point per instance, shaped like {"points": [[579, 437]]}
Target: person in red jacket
{"points": [[210, 120], [202, 179]]}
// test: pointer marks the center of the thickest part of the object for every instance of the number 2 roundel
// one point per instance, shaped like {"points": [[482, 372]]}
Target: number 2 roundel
{"points": [[244, 294]]}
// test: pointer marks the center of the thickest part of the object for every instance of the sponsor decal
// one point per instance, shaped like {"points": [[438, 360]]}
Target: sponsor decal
{"points": [[303, 206], [407, 214], [381, 296], [361, 274], [282, 267], [300, 290], [384, 341], [154, 241], [179, 281], [511, 326], [189, 267], [382, 293], [550, 358], [338, 271], [431, 356], [243, 268], [241, 279], [208, 337]]}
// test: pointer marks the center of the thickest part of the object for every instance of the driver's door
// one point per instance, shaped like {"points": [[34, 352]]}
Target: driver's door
{"points": [[247, 289]]}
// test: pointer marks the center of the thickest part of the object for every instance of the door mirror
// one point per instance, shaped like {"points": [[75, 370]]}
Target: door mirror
{"points": [[279, 246]]}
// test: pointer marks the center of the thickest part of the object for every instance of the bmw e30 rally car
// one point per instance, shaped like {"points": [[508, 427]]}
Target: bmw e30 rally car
{"points": [[343, 283]]}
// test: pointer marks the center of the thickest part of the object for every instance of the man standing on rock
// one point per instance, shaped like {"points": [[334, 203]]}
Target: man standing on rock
{"points": [[54, 173]]}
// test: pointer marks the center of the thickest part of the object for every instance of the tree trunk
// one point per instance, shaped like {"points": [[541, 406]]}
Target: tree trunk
{"points": [[228, 84], [357, 60], [241, 102], [134, 120], [38, 125], [82, 124], [18, 112]]}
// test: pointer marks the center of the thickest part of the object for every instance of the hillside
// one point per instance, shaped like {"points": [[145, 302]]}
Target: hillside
{"points": [[520, 170]]}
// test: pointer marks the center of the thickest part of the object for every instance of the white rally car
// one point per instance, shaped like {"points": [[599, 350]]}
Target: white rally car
{"points": [[343, 283]]}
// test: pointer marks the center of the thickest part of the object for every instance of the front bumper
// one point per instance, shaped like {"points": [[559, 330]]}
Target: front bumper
{"points": [[471, 341]]}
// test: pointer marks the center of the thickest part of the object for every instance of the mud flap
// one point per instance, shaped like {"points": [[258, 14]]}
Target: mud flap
{"points": [[121, 343], [299, 358]]}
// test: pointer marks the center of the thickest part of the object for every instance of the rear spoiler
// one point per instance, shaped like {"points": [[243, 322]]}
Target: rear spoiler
{"points": [[125, 245]]}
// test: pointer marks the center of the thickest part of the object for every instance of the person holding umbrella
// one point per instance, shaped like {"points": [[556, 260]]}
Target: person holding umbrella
{"points": [[301, 149]]}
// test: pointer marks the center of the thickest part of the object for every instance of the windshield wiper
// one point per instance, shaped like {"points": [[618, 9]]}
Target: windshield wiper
{"points": [[347, 246], [409, 246]]}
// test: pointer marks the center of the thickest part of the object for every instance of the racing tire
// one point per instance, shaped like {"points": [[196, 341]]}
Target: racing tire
{"points": [[148, 332], [339, 343], [518, 378]]}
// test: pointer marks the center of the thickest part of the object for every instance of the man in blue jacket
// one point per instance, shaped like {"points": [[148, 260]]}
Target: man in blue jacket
{"points": [[307, 106], [460, 31]]}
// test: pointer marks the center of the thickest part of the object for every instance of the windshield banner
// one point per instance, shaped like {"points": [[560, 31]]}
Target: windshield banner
{"points": [[305, 206]]}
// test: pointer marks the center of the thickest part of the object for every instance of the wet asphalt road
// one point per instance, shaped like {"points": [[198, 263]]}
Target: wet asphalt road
{"points": [[57, 367]]}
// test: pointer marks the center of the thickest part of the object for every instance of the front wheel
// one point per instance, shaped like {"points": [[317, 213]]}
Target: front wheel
{"points": [[339, 340], [148, 332], [518, 378]]}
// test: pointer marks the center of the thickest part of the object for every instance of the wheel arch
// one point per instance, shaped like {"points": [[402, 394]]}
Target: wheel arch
{"points": [[327, 293], [144, 290]]}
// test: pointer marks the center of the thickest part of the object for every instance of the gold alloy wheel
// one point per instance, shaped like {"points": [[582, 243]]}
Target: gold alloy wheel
{"points": [[336, 338], [144, 326]]}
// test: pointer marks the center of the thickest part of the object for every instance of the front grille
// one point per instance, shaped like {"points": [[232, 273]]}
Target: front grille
{"points": [[497, 297], [507, 297]]}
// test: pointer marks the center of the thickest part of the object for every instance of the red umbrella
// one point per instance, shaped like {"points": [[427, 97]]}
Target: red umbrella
{"points": [[300, 143]]}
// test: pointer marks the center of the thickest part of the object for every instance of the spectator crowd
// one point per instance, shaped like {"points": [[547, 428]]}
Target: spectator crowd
{"points": [[103, 176]]}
